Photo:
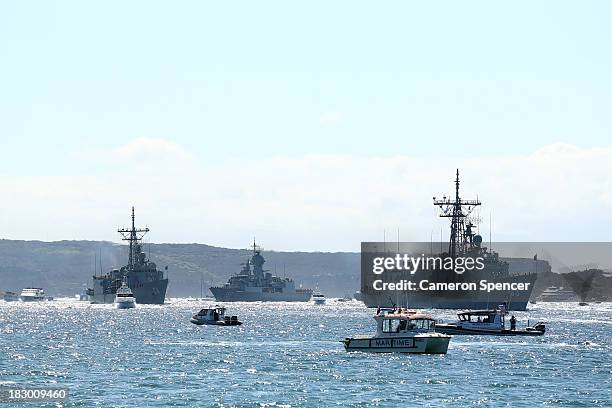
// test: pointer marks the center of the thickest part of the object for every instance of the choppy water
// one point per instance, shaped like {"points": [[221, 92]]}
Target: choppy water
{"points": [[290, 355]]}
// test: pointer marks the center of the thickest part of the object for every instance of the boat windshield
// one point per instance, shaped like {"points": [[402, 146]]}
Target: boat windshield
{"points": [[465, 317], [399, 325]]}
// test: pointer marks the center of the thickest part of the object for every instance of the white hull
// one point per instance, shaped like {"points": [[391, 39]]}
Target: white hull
{"points": [[202, 322], [418, 344], [125, 304], [32, 298]]}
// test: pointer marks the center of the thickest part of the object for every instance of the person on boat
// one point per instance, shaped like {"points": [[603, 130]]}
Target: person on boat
{"points": [[513, 323], [402, 326]]}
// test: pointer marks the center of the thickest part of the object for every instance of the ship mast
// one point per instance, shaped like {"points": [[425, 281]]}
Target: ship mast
{"points": [[458, 210], [133, 235]]}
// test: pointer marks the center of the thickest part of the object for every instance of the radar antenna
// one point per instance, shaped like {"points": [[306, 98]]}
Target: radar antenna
{"points": [[133, 235], [458, 211], [256, 248]]}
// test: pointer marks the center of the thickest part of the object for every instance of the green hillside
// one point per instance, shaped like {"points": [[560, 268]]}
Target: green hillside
{"points": [[62, 267]]}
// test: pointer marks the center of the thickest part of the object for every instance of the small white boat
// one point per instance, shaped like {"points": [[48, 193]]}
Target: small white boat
{"points": [[401, 331], [83, 296], [491, 322], [32, 295], [124, 299], [215, 316], [318, 298]]}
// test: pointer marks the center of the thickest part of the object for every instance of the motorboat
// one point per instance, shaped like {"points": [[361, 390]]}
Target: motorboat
{"points": [[490, 322], [215, 316], [346, 298], [32, 295], [124, 298], [10, 296], [318, 298], [401, 331]]}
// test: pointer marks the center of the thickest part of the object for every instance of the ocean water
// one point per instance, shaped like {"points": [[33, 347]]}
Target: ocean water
{"points": [[289, 355]]}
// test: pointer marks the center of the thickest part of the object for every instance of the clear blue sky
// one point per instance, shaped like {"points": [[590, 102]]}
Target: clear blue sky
{"points": [[258, 80], [253, 78]]}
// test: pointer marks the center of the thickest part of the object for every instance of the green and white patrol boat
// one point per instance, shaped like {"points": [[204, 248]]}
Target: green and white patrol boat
{"points": [[401, 331]]}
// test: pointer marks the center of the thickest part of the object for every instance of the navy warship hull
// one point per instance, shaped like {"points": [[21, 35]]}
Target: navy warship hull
{"points": [[233, 295], [259, 285], [514, 300], [145, 293], [440, 302]]}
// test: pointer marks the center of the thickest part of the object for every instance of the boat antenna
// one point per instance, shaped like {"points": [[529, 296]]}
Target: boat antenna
{"points": [[431, 243], [384, 241], [95, 263], [490, 233], [398, 240], [100, 260]]}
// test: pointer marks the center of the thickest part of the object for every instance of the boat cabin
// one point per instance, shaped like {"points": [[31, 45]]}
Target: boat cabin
{"points": [[124, 293], [215, 313], [401, 322], [482, 319]]}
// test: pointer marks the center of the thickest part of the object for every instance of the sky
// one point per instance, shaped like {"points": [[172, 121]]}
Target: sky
{"points": [[310, 126]]}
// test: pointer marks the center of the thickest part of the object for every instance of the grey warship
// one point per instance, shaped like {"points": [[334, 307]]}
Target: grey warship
{"points": [[259, 285], [148, 283], [464, 242]]}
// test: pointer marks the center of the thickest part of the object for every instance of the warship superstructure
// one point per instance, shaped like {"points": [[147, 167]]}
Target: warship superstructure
{"points": [[259, 285], [464, 242], [147, 283]]}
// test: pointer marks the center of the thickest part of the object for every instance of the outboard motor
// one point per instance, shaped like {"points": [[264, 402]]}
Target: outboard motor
{"points": [[540, 327]]}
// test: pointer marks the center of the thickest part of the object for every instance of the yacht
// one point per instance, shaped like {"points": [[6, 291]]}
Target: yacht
{"points": [[318, 298], [557, 294], [401, 331], [490, 322], [124, 298], [215, 316], [32, 295]]}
